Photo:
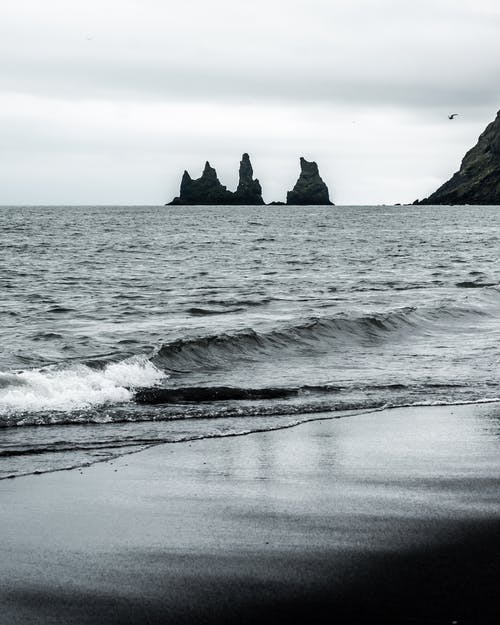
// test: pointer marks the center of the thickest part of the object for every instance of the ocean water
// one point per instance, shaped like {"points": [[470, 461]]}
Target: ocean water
{"points": [[123, 327]]}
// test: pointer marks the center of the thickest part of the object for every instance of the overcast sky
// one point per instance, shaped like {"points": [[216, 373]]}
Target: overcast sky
{"points": [[108, 101]]}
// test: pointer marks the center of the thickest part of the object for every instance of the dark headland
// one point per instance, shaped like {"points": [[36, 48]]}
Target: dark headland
{"points": [[208, 190], [478, 179]]}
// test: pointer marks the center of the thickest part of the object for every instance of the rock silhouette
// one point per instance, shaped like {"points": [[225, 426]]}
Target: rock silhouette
{"points": [[478, 180], [204, 190], [309, 188], [208, 190], [249, 190]]}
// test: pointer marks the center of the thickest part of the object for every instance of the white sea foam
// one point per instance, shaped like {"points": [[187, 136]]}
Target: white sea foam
{"points": [[75, 388]]}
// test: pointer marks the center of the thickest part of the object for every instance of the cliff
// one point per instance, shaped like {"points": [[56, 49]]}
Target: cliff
{"points": [[208, 189], [478, 179], [309, 188]]}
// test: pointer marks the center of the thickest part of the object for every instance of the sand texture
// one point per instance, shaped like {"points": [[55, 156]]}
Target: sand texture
{"points": [[389, 517]]}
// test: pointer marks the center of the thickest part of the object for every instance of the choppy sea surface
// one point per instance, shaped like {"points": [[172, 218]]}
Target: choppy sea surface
{"points": [[123, 327]]}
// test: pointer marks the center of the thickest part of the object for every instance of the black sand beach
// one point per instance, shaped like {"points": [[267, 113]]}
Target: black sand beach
{"points": [[249, 316], [389, 517]]}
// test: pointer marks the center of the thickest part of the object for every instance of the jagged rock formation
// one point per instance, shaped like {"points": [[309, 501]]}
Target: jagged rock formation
{"points": [[309, 188], [208, 190], [478, 180], [204, 190], [249, 190]]}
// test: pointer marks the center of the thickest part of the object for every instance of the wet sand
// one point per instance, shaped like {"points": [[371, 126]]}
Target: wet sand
{"points": [[388, 517]]}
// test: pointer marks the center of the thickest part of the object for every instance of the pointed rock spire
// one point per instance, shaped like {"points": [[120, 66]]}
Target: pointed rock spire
{"points": [[309, 188], [185, 182], [209, 172], [249, 190]]}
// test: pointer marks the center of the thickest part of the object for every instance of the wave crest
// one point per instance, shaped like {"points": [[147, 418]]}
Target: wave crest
{"points": [[76, 388], [310, 336]]}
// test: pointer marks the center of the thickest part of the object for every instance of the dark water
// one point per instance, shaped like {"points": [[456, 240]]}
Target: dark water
{"points": [[125, 326]]}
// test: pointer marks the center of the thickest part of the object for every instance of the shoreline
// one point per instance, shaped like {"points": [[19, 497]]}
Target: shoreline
{"points": [[392, 517], [321, 415]]}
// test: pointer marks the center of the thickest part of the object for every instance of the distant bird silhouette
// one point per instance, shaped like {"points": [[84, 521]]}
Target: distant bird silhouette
{"points": [[452, 116]]}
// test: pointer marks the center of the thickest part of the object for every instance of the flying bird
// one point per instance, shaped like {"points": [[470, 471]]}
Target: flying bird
{"points": [[452, 116]]}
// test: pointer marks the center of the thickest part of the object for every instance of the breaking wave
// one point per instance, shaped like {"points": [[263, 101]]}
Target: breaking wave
{"points": [[77, 387], [137, 381]]}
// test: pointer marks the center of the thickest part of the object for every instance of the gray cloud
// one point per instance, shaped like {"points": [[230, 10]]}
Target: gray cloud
{"points": [[162, 81], [401, 53]]}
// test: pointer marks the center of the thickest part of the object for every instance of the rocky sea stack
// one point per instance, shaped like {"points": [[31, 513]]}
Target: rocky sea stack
{"points": [[309, 188], [249, 190], [204, 190], [478, 180], [208, 190]]}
